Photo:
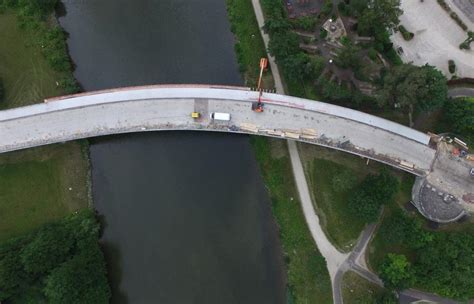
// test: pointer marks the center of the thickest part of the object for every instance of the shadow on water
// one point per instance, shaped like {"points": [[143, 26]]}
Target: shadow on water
{"points": [[114, 271]]}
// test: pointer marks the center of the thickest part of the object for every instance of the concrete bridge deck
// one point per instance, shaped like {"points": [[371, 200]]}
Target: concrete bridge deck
{"points": [[169, 107]]}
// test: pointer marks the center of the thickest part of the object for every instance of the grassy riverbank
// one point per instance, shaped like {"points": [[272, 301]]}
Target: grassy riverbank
{"points": [[249, 45], [40, 185], [308, 278], [43, 184], [26, 75]]}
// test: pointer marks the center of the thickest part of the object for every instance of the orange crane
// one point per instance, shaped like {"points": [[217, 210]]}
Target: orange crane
{"points": [[258, 105]]}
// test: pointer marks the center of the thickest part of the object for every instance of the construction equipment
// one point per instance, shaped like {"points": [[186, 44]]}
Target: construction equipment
{"points": [[258, 105], [195, 115]]}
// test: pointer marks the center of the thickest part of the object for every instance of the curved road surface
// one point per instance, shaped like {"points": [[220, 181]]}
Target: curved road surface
{"points": [[170, 107]]}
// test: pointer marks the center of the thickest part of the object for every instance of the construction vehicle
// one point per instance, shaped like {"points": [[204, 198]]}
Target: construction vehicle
{"points": [[195, 115], [258, 105]]}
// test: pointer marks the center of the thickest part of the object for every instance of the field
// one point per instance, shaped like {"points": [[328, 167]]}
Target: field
{"points": [[26, 75], [41, 185]]}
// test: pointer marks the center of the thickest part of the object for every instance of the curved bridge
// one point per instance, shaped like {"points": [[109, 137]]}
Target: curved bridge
{"points": [[446, 187], [169, 108]]}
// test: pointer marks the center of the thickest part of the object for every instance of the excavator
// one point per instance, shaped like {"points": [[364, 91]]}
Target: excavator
{"points": [[257, 106]]}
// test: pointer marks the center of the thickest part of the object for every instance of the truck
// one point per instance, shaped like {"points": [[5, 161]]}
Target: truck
{"points": [[219, 116]]}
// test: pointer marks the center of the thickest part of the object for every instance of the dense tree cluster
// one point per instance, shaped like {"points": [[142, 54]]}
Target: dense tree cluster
{"points": [[38, 8], [284, 44], [371, 194], [441, 262], [60, 263], [411, 87], [459, 116]]}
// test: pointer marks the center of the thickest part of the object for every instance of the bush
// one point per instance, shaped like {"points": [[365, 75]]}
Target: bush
{"points": [[372, 53], [406, 34], [451, 66], [396, 272]]}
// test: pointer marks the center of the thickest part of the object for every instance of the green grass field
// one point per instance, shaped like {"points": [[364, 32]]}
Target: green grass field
{"points": [[308, 277], [322, 165], [41, 185], [357, 290], [26, 75]]}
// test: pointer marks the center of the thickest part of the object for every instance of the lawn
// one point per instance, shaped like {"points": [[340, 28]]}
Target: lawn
{"points": [[357, 290], [26, 75], [323, 166], [41, 185], [308, 278]]}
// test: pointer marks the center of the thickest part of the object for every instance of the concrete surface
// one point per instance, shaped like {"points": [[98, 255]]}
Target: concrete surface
{"points": [[437, 37], [169, 108]]}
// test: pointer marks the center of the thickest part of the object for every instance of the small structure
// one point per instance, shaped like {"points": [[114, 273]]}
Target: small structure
{"points": [[335, 29]]}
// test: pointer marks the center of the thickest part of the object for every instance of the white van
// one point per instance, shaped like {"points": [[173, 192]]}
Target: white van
{"points": [[220, 116]]}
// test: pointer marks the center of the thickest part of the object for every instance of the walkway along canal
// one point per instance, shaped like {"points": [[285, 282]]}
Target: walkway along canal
{"points": [[186, 215]]}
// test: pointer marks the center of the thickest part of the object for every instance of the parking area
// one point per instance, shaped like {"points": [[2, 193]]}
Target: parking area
{"points": [[437, 37]]}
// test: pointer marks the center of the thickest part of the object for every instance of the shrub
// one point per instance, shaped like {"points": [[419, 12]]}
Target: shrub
{"points": [[326, 9], [451, 66], [406, 34]]}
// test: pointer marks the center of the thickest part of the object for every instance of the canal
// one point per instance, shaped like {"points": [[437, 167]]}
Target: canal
{"points": [[186, 216]]}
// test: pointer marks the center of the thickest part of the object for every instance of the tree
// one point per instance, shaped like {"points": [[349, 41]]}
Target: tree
{"points": [[373, 192], [347, 56], [459, 115], [446, 266], [81, 279], [410, 86], [396, 272], [50, 247], [12, 274], [377, 15]]}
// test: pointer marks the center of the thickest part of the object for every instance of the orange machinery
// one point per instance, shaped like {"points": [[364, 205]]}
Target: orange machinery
{"points": [[258, 105]]}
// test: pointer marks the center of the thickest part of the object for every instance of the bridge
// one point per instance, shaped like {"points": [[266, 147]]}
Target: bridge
{"points": [[169, 107]]}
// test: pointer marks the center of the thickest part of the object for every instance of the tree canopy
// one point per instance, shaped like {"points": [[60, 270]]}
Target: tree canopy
{"points": [[60, 263], [411, 86], [373, 192], [459, 115], [396, 272], [376, 15]]}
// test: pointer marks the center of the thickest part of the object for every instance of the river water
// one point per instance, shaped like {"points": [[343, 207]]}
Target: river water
{"points": [[186, 216]]}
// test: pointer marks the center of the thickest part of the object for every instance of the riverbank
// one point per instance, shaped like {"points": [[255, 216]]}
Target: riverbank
{"points": [[308, 277], [47, 183]]}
